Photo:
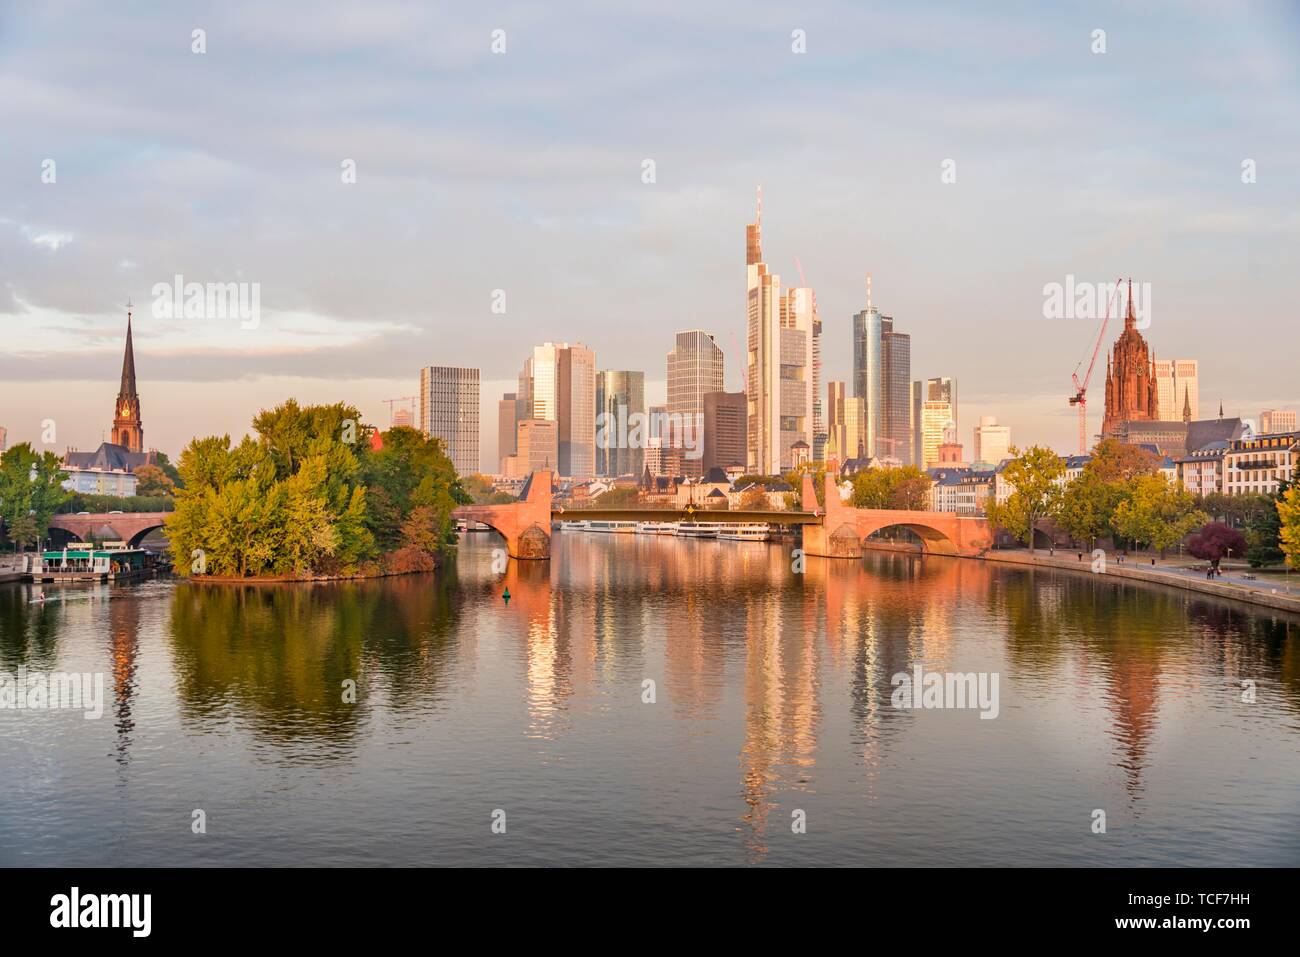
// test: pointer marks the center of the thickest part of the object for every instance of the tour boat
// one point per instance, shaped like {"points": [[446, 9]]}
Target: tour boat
{"points": [[699, 529], [753, 532], [86, 563], [656, 528], [621, 528]]}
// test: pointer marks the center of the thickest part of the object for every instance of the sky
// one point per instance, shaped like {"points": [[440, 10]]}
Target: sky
{"points": [[524, 171]]}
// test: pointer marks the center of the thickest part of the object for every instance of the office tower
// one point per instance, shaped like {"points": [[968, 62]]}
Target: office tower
{"points": [[819, 414], [867, 371], [4, 438], [895, 440], [992, 441], [918, 403], [855, 428], [1178, 392], [537, 447], [620, 450], [449, 412], [403, 419], [507, 427], [937, 428], [779, 355], [656, 418], [558, 384], [1270, 421], [835, 435], [944, 389], [695, 368], [724, 430]]}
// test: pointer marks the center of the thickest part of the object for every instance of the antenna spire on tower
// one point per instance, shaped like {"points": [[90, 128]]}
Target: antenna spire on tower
{"points": [[868, 290]]}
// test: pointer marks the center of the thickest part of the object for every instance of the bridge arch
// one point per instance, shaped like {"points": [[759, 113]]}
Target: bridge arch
{"points": [[933, 540]]}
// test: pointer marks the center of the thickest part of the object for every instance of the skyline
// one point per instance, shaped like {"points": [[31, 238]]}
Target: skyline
{"points": [[548, 205]]}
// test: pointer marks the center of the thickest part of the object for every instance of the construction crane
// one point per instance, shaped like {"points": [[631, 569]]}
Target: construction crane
{"points": [[1080, 397], [391, 402]]}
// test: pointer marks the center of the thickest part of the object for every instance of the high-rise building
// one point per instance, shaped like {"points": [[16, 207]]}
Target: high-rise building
{"points": [[695, 368], [724, 430], [918, 403], [819, 413], [855, 429], [403, 419], [620, 447], [895, 440], [779, 357], [1131, 394], [835, 434], [558, 384], [4, 438], [1270, 421], [537, 446], [449, 411], [1178, 393], [992, 441], [868, 371], [507, 427], [128, 430], [936, 428], [944, 389]]}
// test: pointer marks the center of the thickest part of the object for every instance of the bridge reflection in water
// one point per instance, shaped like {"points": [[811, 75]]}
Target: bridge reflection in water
{"points": [[831, 529]]}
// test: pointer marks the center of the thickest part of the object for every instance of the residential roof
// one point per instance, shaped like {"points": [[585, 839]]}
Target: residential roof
{"points": [[107, 458]]}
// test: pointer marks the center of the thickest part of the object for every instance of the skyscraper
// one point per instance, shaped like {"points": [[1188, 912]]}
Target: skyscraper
{"points": [[779, 355], [507, 427], [1270, 421], [895, 439], [724, 430], [835, 434], [619, 449], [449, 401], [558, 384], [992, 441], [1178, 391], [937, 416], [868, 371], [128, 430], [819, 413], [695, 368]]}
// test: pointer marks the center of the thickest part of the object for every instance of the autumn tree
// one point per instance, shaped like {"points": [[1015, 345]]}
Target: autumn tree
{"points": [[1033, 474], [1216, 541], [1157, 513]]}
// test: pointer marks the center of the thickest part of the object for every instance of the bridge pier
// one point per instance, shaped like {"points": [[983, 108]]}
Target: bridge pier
{"points": [[525, 525]]}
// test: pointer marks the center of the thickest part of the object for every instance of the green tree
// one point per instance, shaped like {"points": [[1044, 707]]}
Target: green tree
{"points": [[1157, 513], [31, 491], [1033, 474], [906, 487], [1087, 507], [152, 480]]}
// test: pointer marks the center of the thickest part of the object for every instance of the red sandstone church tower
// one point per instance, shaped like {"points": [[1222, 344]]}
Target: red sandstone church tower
{"points": [[127, 429], [1130, 378]]}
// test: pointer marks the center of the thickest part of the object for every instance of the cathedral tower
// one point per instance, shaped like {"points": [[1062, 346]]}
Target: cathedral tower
{"points": [[127, 429], [1130, 378]]}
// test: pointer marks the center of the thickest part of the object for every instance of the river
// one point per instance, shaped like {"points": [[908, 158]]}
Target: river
{"points": [[652, 701]]}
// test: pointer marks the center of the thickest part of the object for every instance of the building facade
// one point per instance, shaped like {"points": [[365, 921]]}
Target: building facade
{"points": [[992, 441], [558, 384], [1255, 466], [868, 372], [895, 440], [1131, 392], [620, 445], [724, 430], [449, 411], [507, 428], [128, 430], [537, 445], [1270, 420], [695, 368], [1178, 391]]}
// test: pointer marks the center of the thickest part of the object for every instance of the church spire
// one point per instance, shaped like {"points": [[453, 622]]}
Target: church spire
{"points": [[1187, 406], [127, 428], [1130, 320]]}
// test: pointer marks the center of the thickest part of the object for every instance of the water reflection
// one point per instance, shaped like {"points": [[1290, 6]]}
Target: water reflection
{"points": [[779, 681]]}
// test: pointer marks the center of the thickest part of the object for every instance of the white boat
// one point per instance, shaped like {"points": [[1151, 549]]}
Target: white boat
{"points": [[621, 528], [753, 532], [699, 529], [656, 528]]}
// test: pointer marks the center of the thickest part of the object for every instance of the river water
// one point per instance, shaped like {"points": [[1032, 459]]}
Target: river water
{"points": [[650, 701]]}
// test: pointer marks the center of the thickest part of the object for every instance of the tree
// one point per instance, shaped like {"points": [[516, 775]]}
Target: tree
{"points": [[1116, 461], [1264, 529], [1087, 507], [906, 487], [152, 480], [479, 488], [624, 497], [1033, 474], [754, 499], [1216, 541], [31, 491], [1157, 513], [1288, 510]]}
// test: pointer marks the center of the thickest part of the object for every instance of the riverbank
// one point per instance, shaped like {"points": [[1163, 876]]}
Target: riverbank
{"points": [[1269, 596]]}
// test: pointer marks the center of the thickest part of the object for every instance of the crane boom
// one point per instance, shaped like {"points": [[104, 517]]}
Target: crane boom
{"points": [[1080, 397]]}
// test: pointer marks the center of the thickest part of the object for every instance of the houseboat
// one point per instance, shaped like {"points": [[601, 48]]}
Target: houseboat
{"points": [[112, 560]]}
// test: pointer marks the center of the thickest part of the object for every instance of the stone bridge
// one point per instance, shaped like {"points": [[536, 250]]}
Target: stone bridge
{"points": [[835, 531], [130, 527]]}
